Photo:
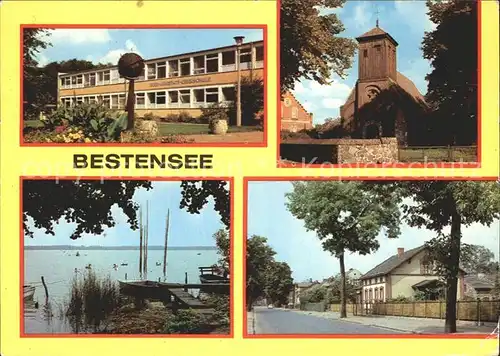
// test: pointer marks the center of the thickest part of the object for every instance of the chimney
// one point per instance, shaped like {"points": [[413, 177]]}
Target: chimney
{"points": [[401, 252]]}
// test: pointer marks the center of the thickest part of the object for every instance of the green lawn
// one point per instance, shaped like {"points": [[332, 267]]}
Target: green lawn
{"points": [[196, 129], [172, 128], [438, 154]]}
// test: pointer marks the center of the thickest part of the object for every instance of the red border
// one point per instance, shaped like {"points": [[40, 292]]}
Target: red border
{"points": [[246, 335], [389, 165], [173, 336], [131, 26]]}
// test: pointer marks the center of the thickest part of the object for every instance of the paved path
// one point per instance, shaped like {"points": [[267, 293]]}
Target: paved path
{"points": [[283, 321], [409, 325]]}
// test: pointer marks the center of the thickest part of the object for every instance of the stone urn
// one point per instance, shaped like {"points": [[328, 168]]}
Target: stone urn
{"points": [[148, 127], [218, 127]]}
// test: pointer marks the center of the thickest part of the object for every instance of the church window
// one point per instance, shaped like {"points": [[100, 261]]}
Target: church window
{"points": [[378, 47], [365, 53]]}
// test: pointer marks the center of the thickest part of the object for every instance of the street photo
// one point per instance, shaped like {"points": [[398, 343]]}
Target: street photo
{"points": [[89, 85], [379, 82], [372, 258], [125, 257]]}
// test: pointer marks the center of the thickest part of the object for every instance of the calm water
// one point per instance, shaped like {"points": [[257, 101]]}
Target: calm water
{"points": [[58, 269]]}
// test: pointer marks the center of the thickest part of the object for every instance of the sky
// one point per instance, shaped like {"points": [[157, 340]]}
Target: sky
{"points": [[302, 250], [406, 21], [185, 229], [107, 45]]}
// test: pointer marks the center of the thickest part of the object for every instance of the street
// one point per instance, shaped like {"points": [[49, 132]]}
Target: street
{"points": [[283, 321]]}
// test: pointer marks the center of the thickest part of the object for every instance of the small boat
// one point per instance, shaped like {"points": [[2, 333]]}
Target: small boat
{"points": [[89, 266], [29, 292], [124, 264], [115, 267], [77, 254], [142, 289], [215, 278], [158, 263], [198, 254]]}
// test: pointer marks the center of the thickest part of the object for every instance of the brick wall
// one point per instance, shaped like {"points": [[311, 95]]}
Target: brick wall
{"points": [[293, 115]]}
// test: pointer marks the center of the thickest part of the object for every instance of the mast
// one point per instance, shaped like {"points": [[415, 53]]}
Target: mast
{"points": [[165, 251], [146, 238], [140, 245]]}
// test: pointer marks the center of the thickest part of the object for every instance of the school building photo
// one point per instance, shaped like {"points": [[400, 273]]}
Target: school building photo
{"points": [[201, 86]]}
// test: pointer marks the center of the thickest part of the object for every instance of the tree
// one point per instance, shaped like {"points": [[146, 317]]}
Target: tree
{"points": [[346, 217], [477, 259], [34, 41], [453, 82], [279, 282], [195, 195], [309, 43], [335, 290], [223, 243], [259, 258], [87, 203], [437, 205]]}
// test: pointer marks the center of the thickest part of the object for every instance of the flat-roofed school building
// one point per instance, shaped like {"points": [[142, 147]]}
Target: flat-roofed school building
{"points": [[169, 85]]}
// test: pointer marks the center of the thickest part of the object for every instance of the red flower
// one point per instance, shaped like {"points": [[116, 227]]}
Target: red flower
{"points": [[60, 129]]}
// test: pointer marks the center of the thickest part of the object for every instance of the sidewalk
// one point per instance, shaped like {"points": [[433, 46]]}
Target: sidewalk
{"points": [[409, 325]]}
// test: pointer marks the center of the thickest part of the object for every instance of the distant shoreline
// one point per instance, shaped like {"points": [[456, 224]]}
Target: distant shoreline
{"points": [[85, 248]]}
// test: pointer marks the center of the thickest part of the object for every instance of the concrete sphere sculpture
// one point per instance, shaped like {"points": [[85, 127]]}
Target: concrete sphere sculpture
{"points": [[130, 65]]}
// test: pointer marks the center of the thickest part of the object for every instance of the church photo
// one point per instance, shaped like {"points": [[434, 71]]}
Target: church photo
{"points": [[396, 82]]}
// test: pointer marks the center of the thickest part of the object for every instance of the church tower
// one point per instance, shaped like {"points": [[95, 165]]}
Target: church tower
{"points": [[377, 55]]}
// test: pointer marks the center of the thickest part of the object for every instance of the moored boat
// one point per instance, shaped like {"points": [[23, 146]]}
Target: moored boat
{"points": [[29, 292], [142, 289]]}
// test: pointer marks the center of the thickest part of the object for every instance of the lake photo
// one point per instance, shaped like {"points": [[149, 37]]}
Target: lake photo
{"points": [[145, 269]]}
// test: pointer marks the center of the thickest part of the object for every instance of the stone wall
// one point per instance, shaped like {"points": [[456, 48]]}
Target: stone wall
{"points": [[338, 151], [317, 307]]}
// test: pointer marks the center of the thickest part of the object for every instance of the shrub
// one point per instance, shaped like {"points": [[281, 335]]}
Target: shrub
{"points": [[215, 112], [150, 116], [176, 139], [290, 135], [185, 322]]}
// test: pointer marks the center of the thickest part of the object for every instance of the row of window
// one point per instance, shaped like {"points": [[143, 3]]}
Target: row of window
{"points": [[202, 64], [178, 98], [374, 294], [373, 281]]}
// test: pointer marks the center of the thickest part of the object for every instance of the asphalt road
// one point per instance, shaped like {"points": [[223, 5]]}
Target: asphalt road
{"points": [[282, 321]]}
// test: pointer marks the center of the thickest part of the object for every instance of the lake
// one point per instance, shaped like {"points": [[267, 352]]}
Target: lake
{"points": [[58, 269]]}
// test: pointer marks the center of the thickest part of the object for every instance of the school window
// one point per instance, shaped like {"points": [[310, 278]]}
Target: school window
{"points": [[79, 80], [140, 99], [185, 96], [365, 53], [161, 70], [73, 80], [161, 99], [246, 57], [86, 100], [121, 101], [92, 100], [228, 58], [259, 53], [106, 101], [212, 63], [199, 65], [173, 68], [152, 71], [151, 99], [142, 76], [228, 94], [199, 96], [100, 77], [185, 66], [173, 97], [212, 95], [92, 79], [114, 101], [107, 77]]}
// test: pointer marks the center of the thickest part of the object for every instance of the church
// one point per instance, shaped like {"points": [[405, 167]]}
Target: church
{"points": [[383, 103]]}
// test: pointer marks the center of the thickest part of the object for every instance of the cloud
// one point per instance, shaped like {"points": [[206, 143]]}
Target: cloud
{"points": [[79, 36], [362, 16], [42, 59], [114, 55]]}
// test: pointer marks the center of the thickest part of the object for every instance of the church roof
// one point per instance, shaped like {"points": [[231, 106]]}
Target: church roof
{"points": [[375, 33]]}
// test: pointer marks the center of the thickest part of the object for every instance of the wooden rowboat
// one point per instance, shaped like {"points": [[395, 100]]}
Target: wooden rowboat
{"points": [[29, 292]]}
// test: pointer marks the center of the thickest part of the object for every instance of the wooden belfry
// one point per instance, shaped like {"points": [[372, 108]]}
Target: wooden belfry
{"points": [[130, 67]]}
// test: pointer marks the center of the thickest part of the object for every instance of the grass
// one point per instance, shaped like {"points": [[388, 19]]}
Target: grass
{"points": [[196, 129], [438, 154], [33, 123]]}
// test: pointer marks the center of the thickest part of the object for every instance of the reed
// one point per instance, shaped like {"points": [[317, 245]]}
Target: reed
{"points": [[92, 300]]}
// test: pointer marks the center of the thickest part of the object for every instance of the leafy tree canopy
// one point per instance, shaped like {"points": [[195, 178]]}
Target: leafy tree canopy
{"points": [[309, 43], [279, 282], [85, 203]]}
